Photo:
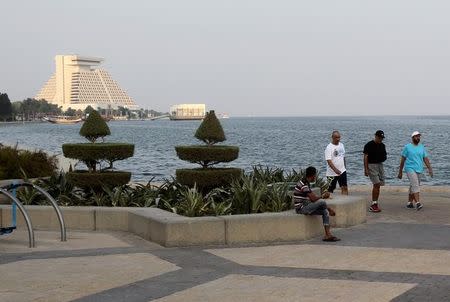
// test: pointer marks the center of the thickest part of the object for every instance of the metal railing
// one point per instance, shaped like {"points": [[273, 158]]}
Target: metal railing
{"points": [[53, 202], [25, 216]]}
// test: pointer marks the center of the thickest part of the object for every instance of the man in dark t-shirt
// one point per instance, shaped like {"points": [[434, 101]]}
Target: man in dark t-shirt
{"points": [[374, 156]]}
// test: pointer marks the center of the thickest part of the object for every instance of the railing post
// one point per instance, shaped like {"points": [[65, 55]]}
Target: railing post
{"points": [[25, 216], [52, 201]]}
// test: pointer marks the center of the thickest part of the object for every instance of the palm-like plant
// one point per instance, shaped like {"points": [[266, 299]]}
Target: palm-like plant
{"points": [[119, 196], [144, 195], [278, 198], [218, 202], [192, 203], [247, 195], [169, 194], [62, 190], [267, 174]]}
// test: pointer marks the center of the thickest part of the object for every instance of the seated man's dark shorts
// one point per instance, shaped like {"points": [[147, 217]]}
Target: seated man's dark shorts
{"points": [[341, 179]]}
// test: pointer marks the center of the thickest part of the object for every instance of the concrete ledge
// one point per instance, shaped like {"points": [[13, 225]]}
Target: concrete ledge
{"points": [[271, 227], [350, 210], [44, 217], [115, 219], [169, 229]]}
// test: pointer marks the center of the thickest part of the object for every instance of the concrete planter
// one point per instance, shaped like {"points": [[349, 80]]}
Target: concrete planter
{"points": [[169, 229]]}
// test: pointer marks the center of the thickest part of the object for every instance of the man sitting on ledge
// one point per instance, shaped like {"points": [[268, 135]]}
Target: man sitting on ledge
{"points": [[308, 203]]}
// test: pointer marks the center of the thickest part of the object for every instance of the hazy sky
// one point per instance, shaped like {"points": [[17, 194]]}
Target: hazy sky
{"points": [[243, 57]]}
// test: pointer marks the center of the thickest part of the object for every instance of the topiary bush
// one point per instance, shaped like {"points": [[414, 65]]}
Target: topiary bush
{"points": [[98, 157], [94, 127], [91, 154], [210, 132], [86, 179], [207, 155], [207, 178]]}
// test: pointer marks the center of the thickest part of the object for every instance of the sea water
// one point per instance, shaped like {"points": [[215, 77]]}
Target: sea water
{"points": [[284, 142]]}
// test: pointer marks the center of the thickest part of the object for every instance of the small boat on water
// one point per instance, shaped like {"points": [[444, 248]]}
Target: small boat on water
{"points": [[62, 119]]}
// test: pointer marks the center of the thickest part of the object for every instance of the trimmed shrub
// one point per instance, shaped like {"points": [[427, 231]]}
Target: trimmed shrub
{"points": [[104, 151], [94, 127], [207, 155], [93, 154], [210, 130], [96, 180], [207, 178]]}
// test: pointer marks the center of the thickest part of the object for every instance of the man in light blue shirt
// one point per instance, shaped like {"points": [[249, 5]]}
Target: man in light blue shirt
{"points": [[413, 156]]}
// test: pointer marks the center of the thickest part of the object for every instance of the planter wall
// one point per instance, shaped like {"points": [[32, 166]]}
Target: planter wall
{"points": [[169, 229]]}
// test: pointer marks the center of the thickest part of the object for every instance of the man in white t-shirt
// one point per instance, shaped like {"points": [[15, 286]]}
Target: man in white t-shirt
{"points": [[335, 157]]}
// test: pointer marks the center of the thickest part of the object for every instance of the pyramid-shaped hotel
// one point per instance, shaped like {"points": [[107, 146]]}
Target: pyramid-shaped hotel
{"points": [[78, 84]]}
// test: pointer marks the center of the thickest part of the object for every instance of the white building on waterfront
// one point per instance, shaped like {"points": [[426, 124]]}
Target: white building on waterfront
{"points": [[77, 84], [187, 112]]}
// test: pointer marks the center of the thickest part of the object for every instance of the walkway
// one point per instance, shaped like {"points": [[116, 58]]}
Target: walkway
{"points": [[399, 255]]}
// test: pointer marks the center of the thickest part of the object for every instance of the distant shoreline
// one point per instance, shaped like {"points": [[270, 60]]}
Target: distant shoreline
{"points": [[23, 122]]}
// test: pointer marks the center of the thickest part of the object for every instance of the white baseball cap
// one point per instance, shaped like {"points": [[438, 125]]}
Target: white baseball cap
{"points": [[415, 133]]}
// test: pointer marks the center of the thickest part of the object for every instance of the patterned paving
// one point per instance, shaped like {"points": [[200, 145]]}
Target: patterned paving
{"points": [[268, 288], [60, 279], [383, 260]]}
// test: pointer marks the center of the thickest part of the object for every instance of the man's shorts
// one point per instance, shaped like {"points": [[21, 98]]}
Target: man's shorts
{"points": [[341, 179], [376, 173], [414, 182]]}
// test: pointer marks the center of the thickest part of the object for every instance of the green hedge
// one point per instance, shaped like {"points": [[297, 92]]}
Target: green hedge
{"points": [[203, 153], [84, 179], [207, 178], [98, 151], [33, 163]]}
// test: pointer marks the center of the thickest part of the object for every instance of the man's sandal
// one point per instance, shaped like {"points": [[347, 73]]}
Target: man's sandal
{"points": [[331, 239]]}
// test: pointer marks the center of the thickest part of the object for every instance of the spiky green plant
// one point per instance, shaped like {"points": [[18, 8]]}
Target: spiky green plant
{"points": [[278, 198], [169, 194], [267, 174], [118, 196], [29, 196], [247, 195], [192, 203], [144, 195], [294, 175], [99, 199], [218, 202], [61, 190]]}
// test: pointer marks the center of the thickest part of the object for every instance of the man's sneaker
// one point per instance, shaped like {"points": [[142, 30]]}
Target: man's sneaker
{"points": [[374, 208], [419, 206], [410, 205]]}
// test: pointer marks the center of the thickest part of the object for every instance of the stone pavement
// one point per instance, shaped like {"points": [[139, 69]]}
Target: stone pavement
{"points": [[398, 255]]}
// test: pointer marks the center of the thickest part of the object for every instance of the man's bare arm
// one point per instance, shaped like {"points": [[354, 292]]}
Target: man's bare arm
{"points": [[428, 164], [333, 167], [313, 197], [366, 164], [400, 169]]}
